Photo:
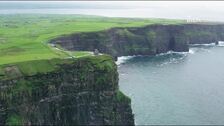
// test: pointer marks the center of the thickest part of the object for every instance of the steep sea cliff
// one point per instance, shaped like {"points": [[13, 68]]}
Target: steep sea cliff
{"points": [[85, 90], [68, 92], [147, 40]]}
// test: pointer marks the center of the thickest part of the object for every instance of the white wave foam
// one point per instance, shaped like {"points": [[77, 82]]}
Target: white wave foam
{"points": [[161, 54], [191, 51], [209, 44], [173, 52], [221, 44], [123, 59]]}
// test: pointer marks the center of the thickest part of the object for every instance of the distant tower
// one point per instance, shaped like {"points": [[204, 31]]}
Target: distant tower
{"points": [[96, 52]]}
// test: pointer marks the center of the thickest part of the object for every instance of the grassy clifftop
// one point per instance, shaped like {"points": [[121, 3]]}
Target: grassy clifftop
{"points": [[44, 66], [25, 37]]}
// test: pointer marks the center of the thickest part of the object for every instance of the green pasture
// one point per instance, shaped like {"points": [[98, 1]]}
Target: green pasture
{"points": [[25, 37]]}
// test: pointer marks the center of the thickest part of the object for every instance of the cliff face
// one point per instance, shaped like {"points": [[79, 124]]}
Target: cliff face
{"points": [[148, 40], [83, 91], [204, 33]]}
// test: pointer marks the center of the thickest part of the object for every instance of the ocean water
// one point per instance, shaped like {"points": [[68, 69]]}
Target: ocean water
{"points": [[176, 88]]}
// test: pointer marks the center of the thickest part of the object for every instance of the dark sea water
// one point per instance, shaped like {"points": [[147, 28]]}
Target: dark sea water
{"points": [[176, 88]]}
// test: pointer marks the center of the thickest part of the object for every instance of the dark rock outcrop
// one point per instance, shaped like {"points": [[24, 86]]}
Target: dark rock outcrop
{"points": [[81, 92], [148, 40], [204, 33]]}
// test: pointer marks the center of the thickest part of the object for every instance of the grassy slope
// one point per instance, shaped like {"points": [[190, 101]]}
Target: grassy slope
{"points": [[24, 37]]}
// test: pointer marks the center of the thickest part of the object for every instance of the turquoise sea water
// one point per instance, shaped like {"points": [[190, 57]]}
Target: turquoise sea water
{"points": [[176, 88]]}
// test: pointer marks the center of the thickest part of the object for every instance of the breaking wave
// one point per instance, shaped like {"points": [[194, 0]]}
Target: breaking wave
{"points": [[191, 51], [123, 59], [221, 44], [209, 44]]}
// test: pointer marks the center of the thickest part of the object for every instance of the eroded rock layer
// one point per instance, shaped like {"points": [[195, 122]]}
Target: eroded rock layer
{"points": [[80, 92], [148, 40]]}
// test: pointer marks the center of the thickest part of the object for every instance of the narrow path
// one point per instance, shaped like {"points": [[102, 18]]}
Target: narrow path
{"points": [[68, 53]]}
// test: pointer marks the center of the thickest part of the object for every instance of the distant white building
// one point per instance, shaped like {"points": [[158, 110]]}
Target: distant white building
{"points": [[195, 20]]}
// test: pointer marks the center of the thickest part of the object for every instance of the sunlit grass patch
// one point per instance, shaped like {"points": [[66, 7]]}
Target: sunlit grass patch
{"points": [[78, 54]]}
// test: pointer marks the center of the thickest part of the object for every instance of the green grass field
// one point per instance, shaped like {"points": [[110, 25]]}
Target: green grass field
{"points": [[25, 37]]}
